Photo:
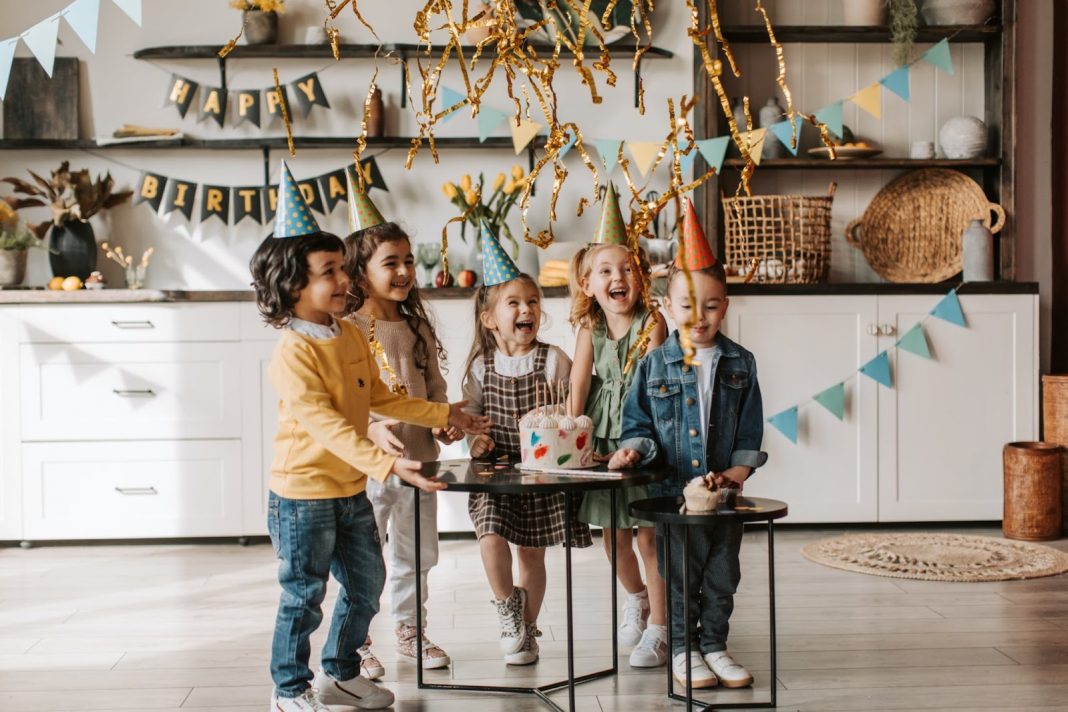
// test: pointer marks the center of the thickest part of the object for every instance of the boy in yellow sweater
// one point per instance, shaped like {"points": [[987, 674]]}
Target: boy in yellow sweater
{"points": [[319, 518]]}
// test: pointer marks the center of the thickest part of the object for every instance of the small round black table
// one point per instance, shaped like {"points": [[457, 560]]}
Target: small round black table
{"points": [[498, 477], [666, 511]]}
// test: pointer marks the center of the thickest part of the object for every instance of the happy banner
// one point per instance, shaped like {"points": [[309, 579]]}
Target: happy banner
{"points": [[243, 104]]}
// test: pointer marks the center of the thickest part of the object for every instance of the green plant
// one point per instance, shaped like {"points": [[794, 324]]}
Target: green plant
{"points": [[14, 235], [904, 24], [72, 195], [278, 6], [494, 211]]}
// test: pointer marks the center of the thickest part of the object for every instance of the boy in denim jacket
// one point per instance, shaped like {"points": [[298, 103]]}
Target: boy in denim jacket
{"points": [[698, 419]]}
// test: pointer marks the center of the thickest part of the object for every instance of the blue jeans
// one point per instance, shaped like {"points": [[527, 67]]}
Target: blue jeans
{"points": [[312, 538]]}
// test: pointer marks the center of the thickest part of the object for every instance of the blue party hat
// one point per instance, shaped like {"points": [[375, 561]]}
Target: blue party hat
{"points": [[292, 218], [497, 266]]}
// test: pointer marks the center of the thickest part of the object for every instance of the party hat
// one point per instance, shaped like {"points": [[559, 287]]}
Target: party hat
{"points": [[497, 266], [292, 218], [611, 229], [698, 251], [362, 212]]}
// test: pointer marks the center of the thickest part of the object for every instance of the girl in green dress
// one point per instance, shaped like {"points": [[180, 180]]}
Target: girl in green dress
{"points": [[609, 314]]}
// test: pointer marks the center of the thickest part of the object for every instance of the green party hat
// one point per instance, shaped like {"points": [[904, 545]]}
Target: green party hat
{"points": [[698, 252], [293, 217], [611, 230], [362, 212], [497, 266]]}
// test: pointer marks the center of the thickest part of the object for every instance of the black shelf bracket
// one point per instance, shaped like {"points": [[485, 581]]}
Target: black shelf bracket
{"points": [[404, 80], [637, 84], [266, 166]]}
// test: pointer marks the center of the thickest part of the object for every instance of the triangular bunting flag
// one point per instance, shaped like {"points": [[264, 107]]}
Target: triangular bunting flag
{"points": [[915, 342], [939, 56], [131, 8], [7, 53], [831, 115], [41, 39], [833, 399], [870, 99], [949, 310], [755, 141], [878, 369], [789, 133], [644, 154], [713, 150], [488, 121], [686, 159], [786, 423], [897, 81], [524, 133], [449, 98], [609, 150], [83, 16], [497, 266], [571, 138]]}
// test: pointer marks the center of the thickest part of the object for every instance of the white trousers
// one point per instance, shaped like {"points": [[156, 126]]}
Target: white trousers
{"points": [[394, 508]]}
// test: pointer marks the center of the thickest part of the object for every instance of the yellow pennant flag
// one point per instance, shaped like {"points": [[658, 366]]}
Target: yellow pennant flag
{"points": [[524, 133], [755, 141], [869, 99], [644, 154]]}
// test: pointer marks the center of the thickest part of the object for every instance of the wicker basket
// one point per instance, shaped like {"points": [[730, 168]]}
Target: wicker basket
{"points": [[911, 231], [1055, 430], [1032, 507], [788, 235]]}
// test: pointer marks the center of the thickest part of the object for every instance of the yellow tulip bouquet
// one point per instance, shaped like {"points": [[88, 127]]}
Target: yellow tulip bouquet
{"points": [[504, 194]]}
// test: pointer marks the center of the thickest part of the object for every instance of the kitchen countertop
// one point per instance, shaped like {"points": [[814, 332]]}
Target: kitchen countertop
{"points": [[119, 296]]}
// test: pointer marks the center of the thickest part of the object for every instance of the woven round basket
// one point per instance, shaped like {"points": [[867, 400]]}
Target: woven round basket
{"points": [[911, 231]]}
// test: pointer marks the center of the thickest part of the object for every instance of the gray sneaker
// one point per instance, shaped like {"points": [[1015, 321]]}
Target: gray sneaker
{"points": [[510, 620]]}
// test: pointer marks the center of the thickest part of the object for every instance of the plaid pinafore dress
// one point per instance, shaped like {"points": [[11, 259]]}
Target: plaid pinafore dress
{"points": [[532, 520]]}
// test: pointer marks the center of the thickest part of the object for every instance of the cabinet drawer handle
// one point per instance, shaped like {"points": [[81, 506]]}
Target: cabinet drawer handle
{"points": [[887, 329], [132, 491], [134, 392], [873, 330], [133, 324]]}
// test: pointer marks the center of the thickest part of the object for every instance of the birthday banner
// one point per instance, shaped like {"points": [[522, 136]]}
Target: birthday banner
{"points": [[322, 193], [83, 16], [914, 341], [244, 104]]}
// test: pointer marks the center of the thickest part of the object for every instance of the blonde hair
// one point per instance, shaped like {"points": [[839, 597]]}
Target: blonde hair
{"points": [[585, 311], [485, 301]]}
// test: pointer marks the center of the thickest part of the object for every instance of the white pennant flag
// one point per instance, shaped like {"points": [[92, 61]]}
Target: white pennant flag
{"points": [[7, 53], [83, 16], [131, 8], [41, 39]]}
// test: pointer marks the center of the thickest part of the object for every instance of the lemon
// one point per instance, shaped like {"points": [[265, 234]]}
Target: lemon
{"points": [[72, 284], [55, 283]]}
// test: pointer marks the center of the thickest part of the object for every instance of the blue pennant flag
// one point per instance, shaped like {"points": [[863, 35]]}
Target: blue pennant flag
{"points": [[831, 115], [41, 39], [787, 131], [949, 310], [686, 160], [450, 97], [833, 399], [786, 423], [571, 138], [131, 8], [713, 150], [897, 81], [609, 150], [915, 341], [488, 121], [878, 369], [7, 53], [83, 16], [939, 56]]}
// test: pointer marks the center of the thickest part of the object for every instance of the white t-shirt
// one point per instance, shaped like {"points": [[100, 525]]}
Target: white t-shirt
{"points": [[705, 371]]}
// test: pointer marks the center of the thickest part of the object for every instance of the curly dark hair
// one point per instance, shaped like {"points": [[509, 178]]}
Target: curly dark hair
{"points": [[360, 246], [280, 271]]}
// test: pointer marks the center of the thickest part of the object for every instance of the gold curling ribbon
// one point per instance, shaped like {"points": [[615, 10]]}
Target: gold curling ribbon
{"points": [[361, 140], [379, 353], [780, 57], [285, 114], [445, 230]]}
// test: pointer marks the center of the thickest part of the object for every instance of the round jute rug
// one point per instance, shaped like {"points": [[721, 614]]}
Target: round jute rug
{"points": [[938, 557]]}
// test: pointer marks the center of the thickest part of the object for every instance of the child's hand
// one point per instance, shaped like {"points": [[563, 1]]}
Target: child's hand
{"points": [[623, 458], [732, 476], [470, 424], [409, 471], [481, 445], [447, 435], [381, 434]]}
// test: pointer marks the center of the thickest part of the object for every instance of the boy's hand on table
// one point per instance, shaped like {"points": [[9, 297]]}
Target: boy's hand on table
{"points": [[381, 434], [470, 424], [481, 445], [624, 458], [410, 472]]}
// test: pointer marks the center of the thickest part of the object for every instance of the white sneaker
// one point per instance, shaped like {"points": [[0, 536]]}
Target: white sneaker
{"points": [[651, 650], [510, 620], [702, 677], [729, 671], [528, 655], [308, 702], [357, 692], [635, 615], [370, 666]]}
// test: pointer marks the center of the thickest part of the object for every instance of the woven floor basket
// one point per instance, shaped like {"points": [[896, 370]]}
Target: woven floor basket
{"points": [[789, 236], [911, 231]]}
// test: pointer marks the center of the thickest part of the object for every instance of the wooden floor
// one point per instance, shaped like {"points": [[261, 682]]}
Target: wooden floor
{"points": [[188, 627]]}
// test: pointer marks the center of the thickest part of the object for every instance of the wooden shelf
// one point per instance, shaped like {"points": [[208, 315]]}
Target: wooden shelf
{"points": [[357, 51], [753, 34], [870, 164], [268, 142]]}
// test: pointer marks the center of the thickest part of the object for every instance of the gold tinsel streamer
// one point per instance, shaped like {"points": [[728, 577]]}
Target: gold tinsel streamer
{"points": [[780, 79], [285, 114], [445, 230], [361, 140], [379, 352]]}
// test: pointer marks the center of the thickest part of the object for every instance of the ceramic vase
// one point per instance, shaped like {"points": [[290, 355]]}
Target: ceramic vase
{"points": [[978, 253], [957, 12], [260, 27], [375, 115], [771, 113], [963, 137], [12, 267], [72, 250], [864, 13]]}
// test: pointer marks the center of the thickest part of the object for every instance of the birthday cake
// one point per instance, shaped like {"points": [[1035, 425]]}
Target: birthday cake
{"points": [[551, 440]]}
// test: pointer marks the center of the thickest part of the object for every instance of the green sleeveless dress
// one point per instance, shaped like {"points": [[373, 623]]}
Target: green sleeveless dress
{"points": [[604, 405]]}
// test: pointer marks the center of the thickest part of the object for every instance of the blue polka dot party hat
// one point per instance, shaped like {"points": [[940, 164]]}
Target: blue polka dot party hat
{"points": [[497, 266], [293, 217], [362, 212]]}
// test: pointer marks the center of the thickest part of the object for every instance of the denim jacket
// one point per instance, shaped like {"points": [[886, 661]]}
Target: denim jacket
{"points": [[662, 414]]}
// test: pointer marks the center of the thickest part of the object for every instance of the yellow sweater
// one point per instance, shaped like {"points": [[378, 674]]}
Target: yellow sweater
{"points": [[327, 388]]}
